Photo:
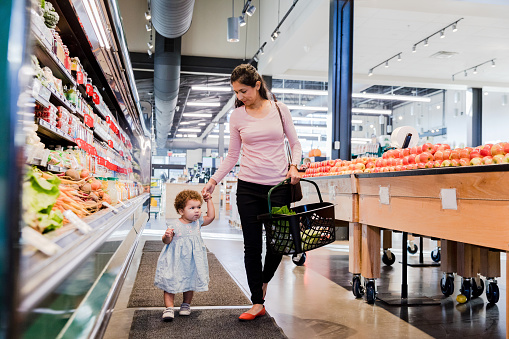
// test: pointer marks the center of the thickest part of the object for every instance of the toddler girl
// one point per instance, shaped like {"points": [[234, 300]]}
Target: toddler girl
{"points": [[182, 265]]}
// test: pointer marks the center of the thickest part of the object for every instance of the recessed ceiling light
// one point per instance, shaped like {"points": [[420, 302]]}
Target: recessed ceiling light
{"points": [[193, 130]]}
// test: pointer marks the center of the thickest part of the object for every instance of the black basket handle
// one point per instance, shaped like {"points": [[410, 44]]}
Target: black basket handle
{"points": [[287, 181]]}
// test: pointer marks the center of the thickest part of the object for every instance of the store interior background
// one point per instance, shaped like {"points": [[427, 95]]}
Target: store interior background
{"points": [[299, 58]]}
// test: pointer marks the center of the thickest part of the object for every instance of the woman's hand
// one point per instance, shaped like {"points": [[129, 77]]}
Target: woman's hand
{"points": [[294, 175], [209, 188]]}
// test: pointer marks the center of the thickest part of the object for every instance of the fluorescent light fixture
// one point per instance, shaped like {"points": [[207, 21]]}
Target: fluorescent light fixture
{"points": [[214, 136], [204, 104], [391, 97], [99, 23], [212, 88], [198, 115], [455, 27], [313, 128], [399, 57], [201, 124], [308, 108], [299, 91], [356, 121], [192, 130], [361, 139], [371, 111], [387, 64], [308, 119], [147, 15], [94, 24], [186, 135]]}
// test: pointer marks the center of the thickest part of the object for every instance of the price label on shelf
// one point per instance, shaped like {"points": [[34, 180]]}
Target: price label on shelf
{"points": [[79, 77], [96, 99], [384, 195], [109, 206], [101, 161], [448, 197], [90, 90], [110, 143], [36, 239], [89, 121], [82, 226]]}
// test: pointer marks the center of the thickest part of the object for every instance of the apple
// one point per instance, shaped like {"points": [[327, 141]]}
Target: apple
{"points": [[405, 160], [360, 166], [465, 153], [411, 159], [376, 169], [370, 164], [427, 147], [331, 163], [487, 160], [464, 162], [421, 165], [416, 150], [439, 155], [323, 163], [447, 153], [485, 151], [429, 164], [398, 168], [476, 161], [378, 163], [425, 157], [437, 163], [455, 154], [443, 147], [455, 162], [475, 154], [391, 154], [435, 147], [446, 163], [498, 159], [385, 169], [392, 169], [497, 149], [506, 147], [406, 151]]}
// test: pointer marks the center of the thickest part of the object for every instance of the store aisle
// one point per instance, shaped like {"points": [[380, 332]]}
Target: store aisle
{"points": [[315, 300]]}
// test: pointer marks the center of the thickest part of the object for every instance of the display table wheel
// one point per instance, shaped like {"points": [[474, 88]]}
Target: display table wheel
{"points": [[435, 254], [447, 284], [492, 291], [388, 258], [357, 288], [370, 291]]}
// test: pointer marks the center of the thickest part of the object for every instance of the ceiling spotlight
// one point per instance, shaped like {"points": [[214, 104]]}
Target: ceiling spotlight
{"points": [[150, 46], [492, 63], [426, 43], [414, 49], [147, 15], [148, 27], [250, 11], [442, 34], [255, 58], [233, 29], [475, 70], [242, 22], [399, 57], [274, 35], [466, 73], [370, 72], [149, 52], [485, 93], [262, 51], [387, 64], [454, 27]]}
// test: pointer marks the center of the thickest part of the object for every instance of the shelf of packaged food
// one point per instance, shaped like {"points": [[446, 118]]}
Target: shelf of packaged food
{"points": [[41, 274], [53, 132], [100, 134], [49, 59]]}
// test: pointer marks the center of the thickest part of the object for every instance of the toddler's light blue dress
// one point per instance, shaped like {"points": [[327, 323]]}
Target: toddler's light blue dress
{"points": [[182, 265]]}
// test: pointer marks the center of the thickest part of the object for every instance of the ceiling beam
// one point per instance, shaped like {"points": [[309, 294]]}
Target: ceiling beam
{"points": [[218, 117]]}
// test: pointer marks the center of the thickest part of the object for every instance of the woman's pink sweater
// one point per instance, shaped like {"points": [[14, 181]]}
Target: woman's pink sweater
{"points": [[261, 143]]}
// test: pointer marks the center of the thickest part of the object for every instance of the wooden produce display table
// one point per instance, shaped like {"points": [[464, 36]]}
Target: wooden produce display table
{"points": [[172, 189]]}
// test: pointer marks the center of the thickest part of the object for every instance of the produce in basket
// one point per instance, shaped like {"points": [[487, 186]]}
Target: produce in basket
{"points": [[282, 238]]}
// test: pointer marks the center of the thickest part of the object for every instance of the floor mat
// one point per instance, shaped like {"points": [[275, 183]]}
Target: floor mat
{"points": [[210, 324], [223, 290]]}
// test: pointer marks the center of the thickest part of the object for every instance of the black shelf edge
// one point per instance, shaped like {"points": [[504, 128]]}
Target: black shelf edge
{"points": [[54, 133]]}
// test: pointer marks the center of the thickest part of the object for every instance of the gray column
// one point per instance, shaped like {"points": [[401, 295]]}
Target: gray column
{"points": [[340, 76], [221, 140], [476, 138]]}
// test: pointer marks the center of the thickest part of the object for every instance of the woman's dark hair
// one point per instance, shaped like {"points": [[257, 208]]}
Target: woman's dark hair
{"points": [[247, 75]]}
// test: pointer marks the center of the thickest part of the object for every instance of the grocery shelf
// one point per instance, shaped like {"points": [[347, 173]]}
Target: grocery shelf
{"points": [[49, 59], [53, 168], [54, 133], [41, 274]]}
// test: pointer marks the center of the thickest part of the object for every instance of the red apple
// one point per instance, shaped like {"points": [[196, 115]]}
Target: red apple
{"points": [[464, 162], [485, 151], [476, 161], [436, 147], [370, 164], [392, 169], [416, 150], [455, 154], [376, 169], [465, 153], [425, 157], [398, 168], [437, 163], [385, 169], [411, 159], [475, 154], [429, 164], [444, 147], [487, 160], [406, 151], [455, 162], [497, 149], [360, 166], [439, 155], [331, 162], [405, 160], [427, 147], [421, 165], [506, 147], [447, 153]]}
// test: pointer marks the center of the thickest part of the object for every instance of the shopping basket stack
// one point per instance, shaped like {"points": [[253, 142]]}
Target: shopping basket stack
{"points": [[301, 228]]}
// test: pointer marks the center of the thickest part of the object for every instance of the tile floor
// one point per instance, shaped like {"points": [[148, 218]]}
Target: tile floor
{"points": [[315, 300]]}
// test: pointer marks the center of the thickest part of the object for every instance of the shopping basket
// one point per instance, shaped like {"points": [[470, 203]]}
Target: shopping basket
{"points": [[311, 226]]}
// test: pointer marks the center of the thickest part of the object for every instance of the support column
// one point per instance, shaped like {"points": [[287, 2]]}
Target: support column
{"points": [[355, 244], [340, 77], [475, 123], [221, 140]]}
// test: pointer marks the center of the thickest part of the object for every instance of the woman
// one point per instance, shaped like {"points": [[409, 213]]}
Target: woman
{"points": [[257, 128]]}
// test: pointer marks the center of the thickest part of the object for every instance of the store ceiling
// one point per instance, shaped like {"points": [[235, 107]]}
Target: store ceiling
{"points": [[382, 29]]}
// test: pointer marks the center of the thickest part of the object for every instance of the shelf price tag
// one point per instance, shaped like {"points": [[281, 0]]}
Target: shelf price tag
{"points": [[110, 143], [89, 90], [109, 206], [89, 121], [95, 98], [448, 197], [384, 195], [101, 161], [79, 77], [36, 239], [82, 226]]}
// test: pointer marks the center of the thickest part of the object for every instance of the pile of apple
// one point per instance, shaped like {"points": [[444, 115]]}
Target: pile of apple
{"points": [[418, 157]]}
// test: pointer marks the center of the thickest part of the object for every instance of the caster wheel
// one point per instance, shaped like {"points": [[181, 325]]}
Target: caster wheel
{"points": [[412, 250], [357, 289], [477, 290], [447, 285], [466, 288], [299, 259], [388, 261], [370, 292], [435, 255], [492, 293]]}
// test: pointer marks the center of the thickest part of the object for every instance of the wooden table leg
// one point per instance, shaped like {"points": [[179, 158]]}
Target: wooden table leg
{"points": [[355, 242], [370, 267], [449, 255], [386, 239]]}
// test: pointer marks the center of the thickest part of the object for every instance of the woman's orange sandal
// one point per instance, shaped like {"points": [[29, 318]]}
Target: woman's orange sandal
{"points": [[248, 316]]}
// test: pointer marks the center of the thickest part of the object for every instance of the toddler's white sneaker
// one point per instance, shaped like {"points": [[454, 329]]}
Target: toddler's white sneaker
{"points": [[168, 314], [185, 309]]}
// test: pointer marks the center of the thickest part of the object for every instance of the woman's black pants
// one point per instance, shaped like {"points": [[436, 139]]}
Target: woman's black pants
{"points": [[252, 202]]}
